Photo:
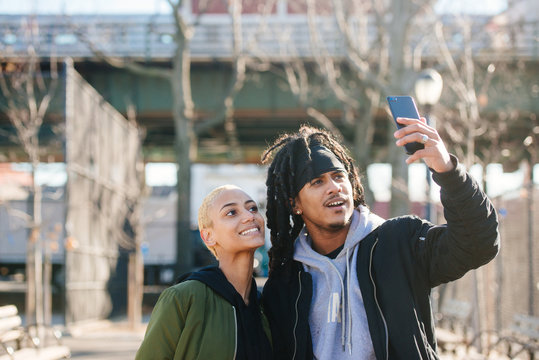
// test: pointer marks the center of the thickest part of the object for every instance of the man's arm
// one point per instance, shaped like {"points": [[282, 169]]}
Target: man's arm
{"points": [[470, 238]]}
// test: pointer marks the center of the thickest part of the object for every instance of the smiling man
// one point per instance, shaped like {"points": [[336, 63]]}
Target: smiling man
{"points": [[347, 284]]}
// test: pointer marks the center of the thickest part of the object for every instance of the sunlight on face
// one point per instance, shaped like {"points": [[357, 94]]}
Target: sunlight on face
{"points": [[236, 223], [327, 201]]}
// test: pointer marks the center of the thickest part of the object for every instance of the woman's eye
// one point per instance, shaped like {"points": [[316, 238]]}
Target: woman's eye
{"points": [[231, 213], [254, 209]]}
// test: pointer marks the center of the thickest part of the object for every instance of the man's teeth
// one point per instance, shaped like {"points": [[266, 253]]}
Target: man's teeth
{"points": [[248, 231], [336, 203]]}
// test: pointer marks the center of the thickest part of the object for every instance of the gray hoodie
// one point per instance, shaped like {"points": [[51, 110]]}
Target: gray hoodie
{"points": [[337, 313]]}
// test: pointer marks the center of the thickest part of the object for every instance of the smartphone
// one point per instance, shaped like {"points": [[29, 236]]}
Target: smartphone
{"points": [[404, 106]]}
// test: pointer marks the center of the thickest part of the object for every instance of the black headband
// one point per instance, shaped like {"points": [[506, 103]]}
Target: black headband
{"points": [[320, 161]]}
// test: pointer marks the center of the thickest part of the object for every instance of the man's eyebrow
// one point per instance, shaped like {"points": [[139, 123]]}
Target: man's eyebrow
{"points": [[330, 172]]}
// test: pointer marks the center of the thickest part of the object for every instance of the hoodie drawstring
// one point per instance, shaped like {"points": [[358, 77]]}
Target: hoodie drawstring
{"points": [[349, 322], [346, 316]]}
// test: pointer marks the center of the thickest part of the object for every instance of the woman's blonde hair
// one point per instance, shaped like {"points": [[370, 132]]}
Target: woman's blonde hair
{"points": [[204, 219]]}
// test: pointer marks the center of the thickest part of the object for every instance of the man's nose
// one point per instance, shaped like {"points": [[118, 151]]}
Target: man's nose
{"points": [[334, 186]]}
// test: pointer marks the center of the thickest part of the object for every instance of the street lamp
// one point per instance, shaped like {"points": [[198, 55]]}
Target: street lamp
{"points": [[428, 89]]}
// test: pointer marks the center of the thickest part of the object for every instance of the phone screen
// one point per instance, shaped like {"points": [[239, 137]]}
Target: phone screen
{"points": [[404, 106]]}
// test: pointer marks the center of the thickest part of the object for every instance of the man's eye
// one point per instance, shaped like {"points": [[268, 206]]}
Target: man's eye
{"points": [[316, 182]]}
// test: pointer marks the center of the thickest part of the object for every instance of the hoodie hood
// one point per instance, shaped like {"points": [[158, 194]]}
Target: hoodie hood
{"points": [[337, 310], [213, 277], [252, 342], [362, 224]]}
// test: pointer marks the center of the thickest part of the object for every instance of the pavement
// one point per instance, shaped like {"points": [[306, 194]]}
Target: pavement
{"points": [[116, 340], [104, 340]]}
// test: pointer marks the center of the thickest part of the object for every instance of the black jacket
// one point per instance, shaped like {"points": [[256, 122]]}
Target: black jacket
{"points": [[399, 263]]}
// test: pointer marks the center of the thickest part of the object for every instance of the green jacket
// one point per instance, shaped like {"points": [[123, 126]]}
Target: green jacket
{"points": [[190, 321]]}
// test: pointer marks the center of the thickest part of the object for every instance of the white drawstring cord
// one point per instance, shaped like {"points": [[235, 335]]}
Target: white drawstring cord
{"points": [[343, 319], [346, 315], [349, 322]]}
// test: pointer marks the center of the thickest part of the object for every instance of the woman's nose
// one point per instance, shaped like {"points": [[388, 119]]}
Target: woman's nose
{"points": [[249, 216]]}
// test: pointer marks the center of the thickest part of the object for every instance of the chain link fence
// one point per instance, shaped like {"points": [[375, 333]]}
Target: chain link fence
{"points": [[103, 153], [508, 285]]}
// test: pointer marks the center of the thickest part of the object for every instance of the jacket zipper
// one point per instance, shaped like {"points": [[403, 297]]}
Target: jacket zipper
{"points": [[236, 333], [376, 299], [297, 317]]}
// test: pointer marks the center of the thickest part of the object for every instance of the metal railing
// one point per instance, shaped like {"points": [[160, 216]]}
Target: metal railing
{"points": [[151, 37]]}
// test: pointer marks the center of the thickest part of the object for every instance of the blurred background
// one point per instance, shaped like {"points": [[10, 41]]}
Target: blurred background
{"points": [[117, 117]]}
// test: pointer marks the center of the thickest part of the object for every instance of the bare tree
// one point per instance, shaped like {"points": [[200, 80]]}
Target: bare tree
{"points": [[360, 52], [482, 124], [28, 94], [187, 124], [475, 131], [462, 82]]}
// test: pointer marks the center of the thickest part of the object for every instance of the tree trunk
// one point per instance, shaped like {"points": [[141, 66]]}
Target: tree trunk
{"points": [[184, 248], [34, 266], [47, 287], [30, 299], [401, 13], [400, 204], [135, 287], [183, 114], [363, 139]]}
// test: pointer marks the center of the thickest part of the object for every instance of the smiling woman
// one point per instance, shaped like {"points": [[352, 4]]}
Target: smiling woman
{"points": [[231, 226], [224, 298]]}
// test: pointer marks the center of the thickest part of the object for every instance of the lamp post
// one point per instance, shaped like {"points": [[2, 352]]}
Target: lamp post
{"points": [[428, 89]]}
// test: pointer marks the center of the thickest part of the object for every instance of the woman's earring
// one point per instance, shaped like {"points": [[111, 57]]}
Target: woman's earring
{"points": [[298, 212]]}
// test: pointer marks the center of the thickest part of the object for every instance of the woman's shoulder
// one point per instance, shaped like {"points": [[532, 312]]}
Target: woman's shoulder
{"points": [[185, 290], [187, 286]]}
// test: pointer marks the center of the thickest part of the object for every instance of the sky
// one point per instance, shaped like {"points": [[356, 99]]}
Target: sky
{"points": [[161, 6]]}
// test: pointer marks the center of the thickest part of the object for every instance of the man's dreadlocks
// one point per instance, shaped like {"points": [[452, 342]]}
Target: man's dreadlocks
{"points": [[284, 225]]}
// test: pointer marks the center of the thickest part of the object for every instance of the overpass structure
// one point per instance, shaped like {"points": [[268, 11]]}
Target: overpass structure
{"points": [[264, 107], [277, 36]]}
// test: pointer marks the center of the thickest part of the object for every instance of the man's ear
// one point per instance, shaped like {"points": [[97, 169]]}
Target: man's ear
{"points": [[296, 209], [207, 237]]}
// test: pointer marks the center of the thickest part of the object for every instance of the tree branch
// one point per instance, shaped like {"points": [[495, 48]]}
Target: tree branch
{"points": [[146, 70], [237, 78]]}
